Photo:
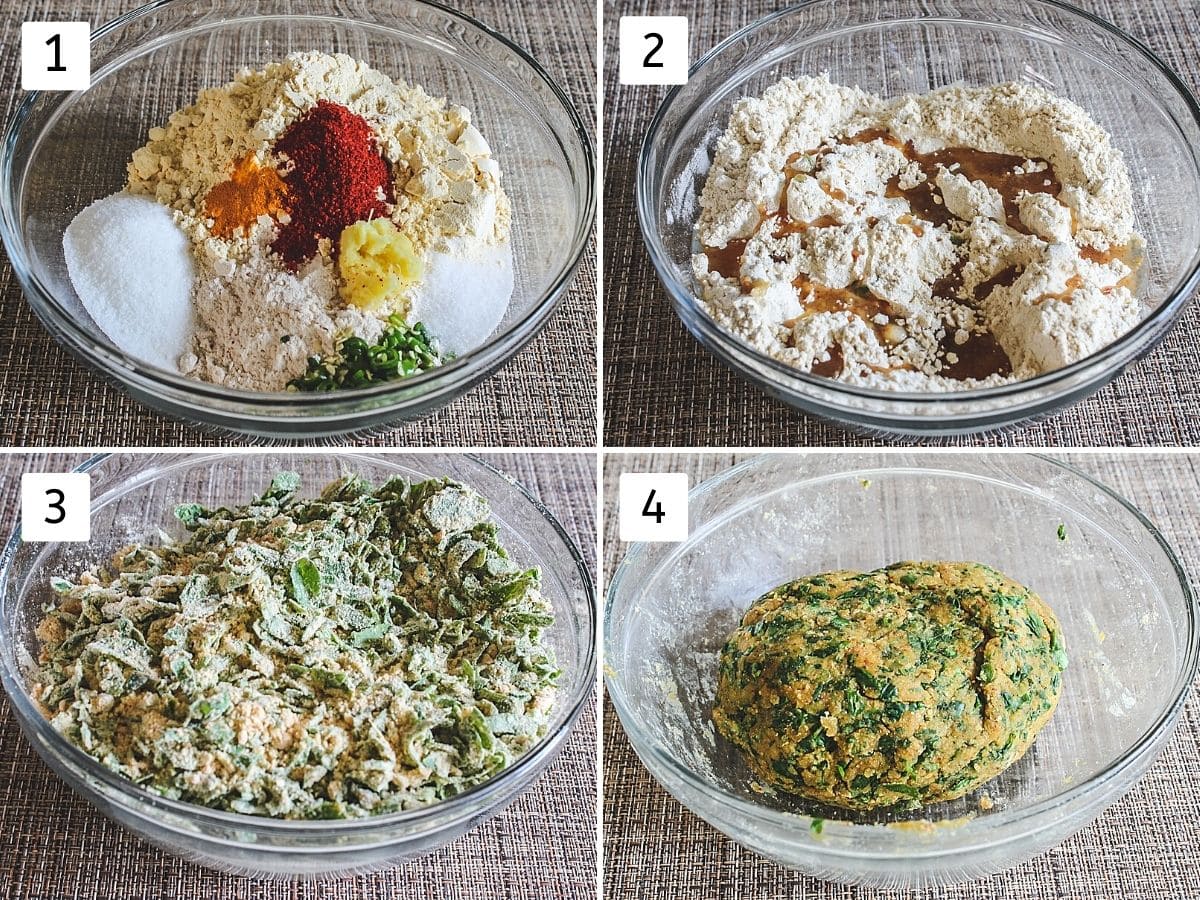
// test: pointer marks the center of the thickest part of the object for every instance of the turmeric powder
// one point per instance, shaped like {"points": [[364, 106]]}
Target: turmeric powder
{"points": [[251, 191]]}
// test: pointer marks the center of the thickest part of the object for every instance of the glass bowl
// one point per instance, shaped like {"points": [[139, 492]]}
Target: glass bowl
{"points": [[1127, 612], [132, 496], [63, 150], [897, 46]]}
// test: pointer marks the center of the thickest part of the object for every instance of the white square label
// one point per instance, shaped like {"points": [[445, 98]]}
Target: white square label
{"points": [[654, 506], [56, 506], [654, 49], [56, 56]]}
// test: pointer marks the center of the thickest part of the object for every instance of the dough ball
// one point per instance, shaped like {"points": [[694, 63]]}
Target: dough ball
{"points": [[911, 684]]}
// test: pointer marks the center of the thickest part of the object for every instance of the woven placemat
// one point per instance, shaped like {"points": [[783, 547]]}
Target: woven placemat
{"points": [[54, 845], [1144, 846], [661, 388], [546, 396]]}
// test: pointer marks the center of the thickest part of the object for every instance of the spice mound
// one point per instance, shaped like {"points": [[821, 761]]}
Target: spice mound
{"points": [[371, 650], [964, 238], [320, 201], [907, 685]]}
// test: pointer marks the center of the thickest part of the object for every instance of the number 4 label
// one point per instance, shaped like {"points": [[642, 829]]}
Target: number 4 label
{"points": [[56, 56], [56, 506], [654, 506], [654, 49]]}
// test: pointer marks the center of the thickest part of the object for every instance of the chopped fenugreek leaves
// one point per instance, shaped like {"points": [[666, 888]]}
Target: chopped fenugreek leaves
{"points": [[402, 350], [370, 650]]}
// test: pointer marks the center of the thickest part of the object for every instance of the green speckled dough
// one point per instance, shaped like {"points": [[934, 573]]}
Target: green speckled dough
{"points": [[910, 684]]}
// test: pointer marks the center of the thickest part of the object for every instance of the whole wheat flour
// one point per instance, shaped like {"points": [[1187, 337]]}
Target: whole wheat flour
{"points": [[963, 238], [258, 323]]}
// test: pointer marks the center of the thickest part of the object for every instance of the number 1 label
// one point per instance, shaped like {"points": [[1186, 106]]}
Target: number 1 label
{"points": [[55, 41], [56, 506], [56, 56], [653, 49], [654, 506]]}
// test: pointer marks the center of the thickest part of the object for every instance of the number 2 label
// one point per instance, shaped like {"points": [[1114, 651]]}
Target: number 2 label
{"points": [[653, 506], [653, 49], [56, 506], [657, 39]]}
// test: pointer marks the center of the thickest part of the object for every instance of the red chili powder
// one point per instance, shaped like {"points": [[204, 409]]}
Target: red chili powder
{"points": [[335, 179]]}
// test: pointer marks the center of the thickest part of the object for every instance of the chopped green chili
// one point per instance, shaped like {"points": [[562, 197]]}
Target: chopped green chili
{"points": [[402, 350]]}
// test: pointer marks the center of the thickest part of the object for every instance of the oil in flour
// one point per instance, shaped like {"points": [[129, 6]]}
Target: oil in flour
{"points": [[963, 238]]}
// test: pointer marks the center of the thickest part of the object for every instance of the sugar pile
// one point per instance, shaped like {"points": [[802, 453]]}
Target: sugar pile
{"points": [[464, 293], [131, 266]]}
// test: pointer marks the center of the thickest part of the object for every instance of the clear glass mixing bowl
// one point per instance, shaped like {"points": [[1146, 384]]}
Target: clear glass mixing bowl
{"points": [[1127, 612], [892, 47], [132, 497], [63, 150]]}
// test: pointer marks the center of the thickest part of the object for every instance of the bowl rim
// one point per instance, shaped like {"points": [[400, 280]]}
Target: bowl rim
{"points": [[1032, 816], [691, 310], [141, 799], [99, 350]]}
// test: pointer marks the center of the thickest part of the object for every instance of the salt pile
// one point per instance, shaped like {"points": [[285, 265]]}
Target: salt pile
{"points": [[131, 266], [464, 293]]}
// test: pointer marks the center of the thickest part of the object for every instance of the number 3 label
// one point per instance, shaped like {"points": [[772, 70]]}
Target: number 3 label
{"points": [[56, 56], [654, 506], [56, 506], [654, 49]]}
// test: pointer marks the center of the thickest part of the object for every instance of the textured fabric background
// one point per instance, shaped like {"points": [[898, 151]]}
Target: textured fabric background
{"points": [[54, 845], [661, 388], [546, 396], [1142, 848]]}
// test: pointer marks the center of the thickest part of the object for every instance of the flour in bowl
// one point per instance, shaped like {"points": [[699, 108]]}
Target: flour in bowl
{"points": [[319, 204], [963, 238]]}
